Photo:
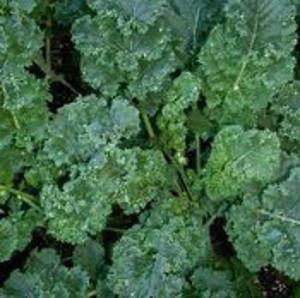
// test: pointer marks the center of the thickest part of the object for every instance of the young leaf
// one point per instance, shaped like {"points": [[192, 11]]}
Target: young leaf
{"points": [[183, 93]]}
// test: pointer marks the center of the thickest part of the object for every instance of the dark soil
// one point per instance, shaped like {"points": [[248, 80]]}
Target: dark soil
{"points": [[66, 61], [273, 283], [219, 239]]}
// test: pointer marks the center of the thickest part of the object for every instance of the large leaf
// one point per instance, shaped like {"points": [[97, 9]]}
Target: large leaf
{"points": [[44, 276], [152, 259], [81, 130], [265, 229], [128, 11], [190, 20], [246, 60], [129, 177], [239, 160], [124, 57]]}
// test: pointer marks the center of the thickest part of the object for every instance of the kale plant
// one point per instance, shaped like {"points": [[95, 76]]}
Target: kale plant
{"points": [[129, 129]]}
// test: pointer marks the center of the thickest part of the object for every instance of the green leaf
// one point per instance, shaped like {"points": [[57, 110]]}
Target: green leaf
{"points": [[199, 123], [22, 95], [240, 159], [79, 209], [190, 20], [84, 128], [265, 229], [141, 176], [247, 59], [26, 5], [17, 48], [66, 12], [11, 161], [123, 57], [130, 11], [153, 258], [212, 283], [44, 276], [288, 108], [89, 256], [129, 177], [15, 232], [172, 121], [7, 127]]}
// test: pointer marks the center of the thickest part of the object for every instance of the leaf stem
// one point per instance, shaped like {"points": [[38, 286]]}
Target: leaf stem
{"points": [[219, 212], [93, 293], [281, 217], [48, 53], [148, 125], [48, 43], [198, 154], [175, 164], [42, 64], [115, 230], [182, 174], [25, 197]]}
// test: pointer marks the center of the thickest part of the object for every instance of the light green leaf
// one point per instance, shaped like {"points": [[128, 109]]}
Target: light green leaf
{"points": [[239, 160], [183, 94]]}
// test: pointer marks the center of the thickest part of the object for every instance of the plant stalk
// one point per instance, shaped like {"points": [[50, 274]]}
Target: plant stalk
{"points": [[42, 64], [25, 197], [177, 167], [198, 154]]}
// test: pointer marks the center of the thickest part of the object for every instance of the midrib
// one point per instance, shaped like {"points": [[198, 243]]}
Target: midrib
{"points": [[279, 217], [250, 48]]}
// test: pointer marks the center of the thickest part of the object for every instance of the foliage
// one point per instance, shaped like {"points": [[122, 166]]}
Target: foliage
{"points": [[183, 94], [256, 41], [117, 165], [15, 232], [271, 222], [44, 276], [287, 107], [240, 158], [153, 258]]}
